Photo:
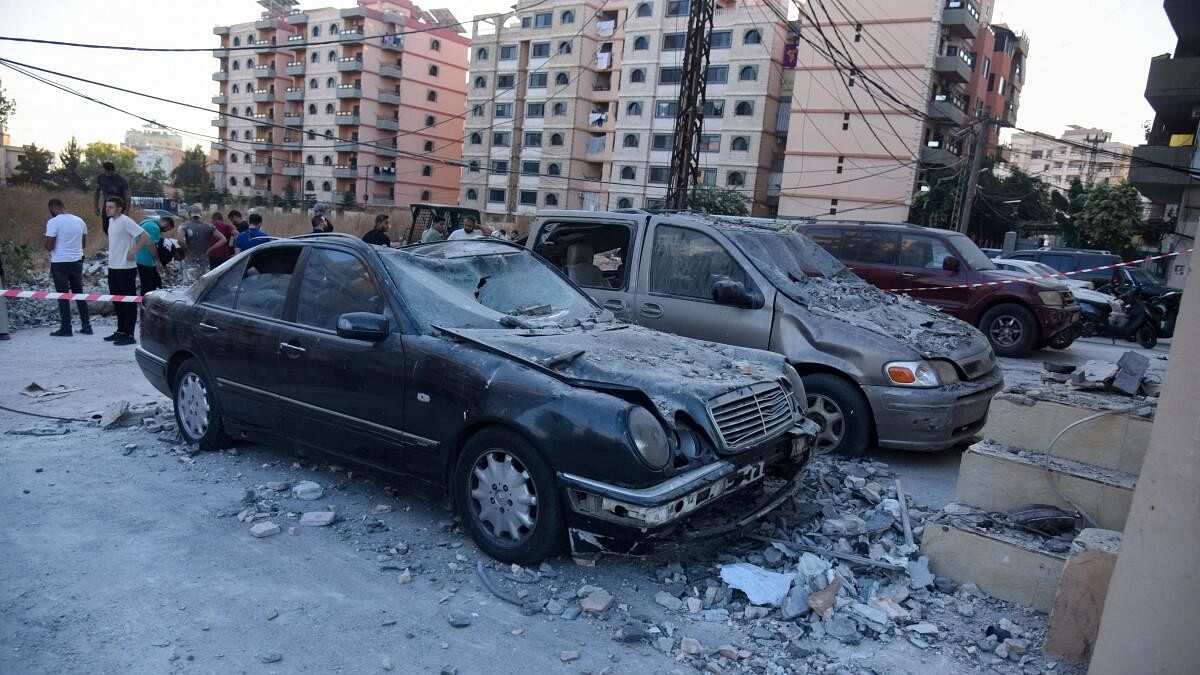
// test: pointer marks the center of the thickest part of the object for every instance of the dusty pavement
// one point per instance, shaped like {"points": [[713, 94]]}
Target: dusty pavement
{"points": [[121, 552]]}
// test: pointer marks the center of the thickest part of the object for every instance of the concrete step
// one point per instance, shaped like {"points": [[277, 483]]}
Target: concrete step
{"points": [[995, 477], [1117, 442]]}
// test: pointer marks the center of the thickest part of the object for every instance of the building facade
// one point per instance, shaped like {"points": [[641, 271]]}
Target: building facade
{"points": [[156, 147], [572, 104], [1060, 163], [362, 101]]}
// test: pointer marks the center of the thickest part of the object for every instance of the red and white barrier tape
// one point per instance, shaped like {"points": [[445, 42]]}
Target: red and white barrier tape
{"points": [[88, 297], [1041, 276]]}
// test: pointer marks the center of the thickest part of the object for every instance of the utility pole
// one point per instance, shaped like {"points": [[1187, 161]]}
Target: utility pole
{"points": [[964, 216], [1095, 142], [685, 155]]}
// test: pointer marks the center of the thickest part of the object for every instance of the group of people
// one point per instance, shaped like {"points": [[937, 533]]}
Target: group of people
{"points": [[469, 230]]}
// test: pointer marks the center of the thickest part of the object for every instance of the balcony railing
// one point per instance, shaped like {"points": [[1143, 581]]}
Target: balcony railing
{"points": [[954, 68], [297, 17], [292, 170], [293, 143], [389, 97], [349, 91], [961, 19], [221, 76], [261, 169], [297, 38], [346, 118], [220, 99], [294, 68], [263, 96], [293, 94], [948, 107], [393, 43], [220, 122], [351, 35], [387, 124], [343, 171], [264, 71], [1159, 184], [385, 151], [387, 70], [1173, 83], [349, 64]]}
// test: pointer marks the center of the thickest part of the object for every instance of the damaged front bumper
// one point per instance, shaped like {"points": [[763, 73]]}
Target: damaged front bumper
{"points": [[608, 518]]}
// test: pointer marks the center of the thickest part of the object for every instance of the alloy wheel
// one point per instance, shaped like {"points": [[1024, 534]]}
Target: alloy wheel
{"points": [[504, 497], [193, 405], [1006, 330], [826, 413]]}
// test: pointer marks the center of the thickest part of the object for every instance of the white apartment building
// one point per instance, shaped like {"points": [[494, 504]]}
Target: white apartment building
{"points": [[1058, 164], [156, 147]]}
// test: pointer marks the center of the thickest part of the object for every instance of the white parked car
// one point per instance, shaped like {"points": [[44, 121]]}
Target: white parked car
{"points": [[1082, 289]]}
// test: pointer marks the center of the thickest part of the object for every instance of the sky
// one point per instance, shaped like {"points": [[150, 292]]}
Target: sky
{"points": [[1087, 64]]}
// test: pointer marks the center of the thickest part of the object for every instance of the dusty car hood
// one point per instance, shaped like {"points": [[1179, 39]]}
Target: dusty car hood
{"points": [[675, 372]]}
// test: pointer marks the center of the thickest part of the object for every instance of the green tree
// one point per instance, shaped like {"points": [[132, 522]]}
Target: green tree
{"points": [[349, 201], [1018, 201], [33, 166], [69, 173], [1110, 217], [191, 176], [96, 153], [935, 207], [148, 184], [718, 201], [7, 108], [290, 198]]}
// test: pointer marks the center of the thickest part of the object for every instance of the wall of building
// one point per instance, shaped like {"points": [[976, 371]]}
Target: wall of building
{"points": [[1059, 163]]}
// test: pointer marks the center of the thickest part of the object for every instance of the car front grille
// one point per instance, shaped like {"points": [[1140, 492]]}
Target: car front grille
{"points": [[979, 367], [754, 413]]}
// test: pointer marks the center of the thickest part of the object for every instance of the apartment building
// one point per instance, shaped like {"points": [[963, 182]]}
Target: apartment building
{"points": [[572, 104], [156, 147], [995, 87], [1173, 90], [1059, 163], [364, 100], [851, 148]]}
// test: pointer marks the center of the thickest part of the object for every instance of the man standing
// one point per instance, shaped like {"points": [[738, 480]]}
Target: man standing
{"points": [[123, 236], [3, 306], [66, 237], [109, 184], [469, 231], [252, 235], [222, 253], [145, 253], [235, 219], [378, 235], [437, 232], [326, 225], [200, 240]]}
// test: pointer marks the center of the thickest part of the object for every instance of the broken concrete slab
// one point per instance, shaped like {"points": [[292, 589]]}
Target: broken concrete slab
{"points": [[307, 490], [1079, 601], [761, 586], [318, 518], [1132, 368], [264, 529], [1116, 442]]}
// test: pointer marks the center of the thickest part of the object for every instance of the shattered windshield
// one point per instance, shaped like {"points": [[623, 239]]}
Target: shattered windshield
{"points": [[482, 284], [787, 253]]}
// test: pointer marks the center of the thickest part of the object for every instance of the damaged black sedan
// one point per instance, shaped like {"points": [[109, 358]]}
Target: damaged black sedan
{"points": [[481, 374]]}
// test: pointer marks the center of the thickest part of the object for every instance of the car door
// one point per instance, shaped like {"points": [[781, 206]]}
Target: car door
{"points": [[675, 281], [871, 254], [342, 395], [598, 254], [919, 265]]}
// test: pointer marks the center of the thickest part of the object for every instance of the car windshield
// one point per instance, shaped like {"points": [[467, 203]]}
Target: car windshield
{"points": [[786, 253], [1141, 276], [1042, 268], [484, 284], [971, 256]]}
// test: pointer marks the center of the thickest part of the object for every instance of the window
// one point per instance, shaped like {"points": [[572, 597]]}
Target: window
{"points": [[533, 139], [537, 80], [477, 110], [659, 175], [503, 109], [672, 42], [264, 284], [748, 73], [308, 186], [634, 109], [553, 170], [556, 139], [645, 9], [527, 198], [507, 81], [561, 80], [535, 109], [710, 143], [335, 283], [480, 82], [502, 138], [567, 17], [313, 84], [670, 75], [543, 19], [431, 96], [743, 109], [224, 291], [921, 251], [236, 90], [246, 182], [624, 203], [315, 58], [716, 75], [666, 108], [428, 146], [628, 173], [312, 108], [433, 70], [637, 76], [333, 29], [720, 39], [828, 239], [641, 43], [688, 263], [326, 186], [430, 121], [426, 170], [316, 31], [499, 167], [481, 54], [233, 158], [472, 194], [496, 195], [476, 139], [539, 50], [237, 65], [564, 47], [678, 7], [473, 166], [330, 83], [551, 199], [435, 44], [328, 108], [531, 168], [866, 246], [248, 113], [327, 160], [752, 37], [630, 141], [560, 108], [740, 144], [662, 141], [713, 109], [735, 179], [708, 177], [508, 52]]}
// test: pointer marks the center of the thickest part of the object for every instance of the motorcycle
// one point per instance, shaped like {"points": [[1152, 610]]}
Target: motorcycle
{"points": [[1140, 321]]}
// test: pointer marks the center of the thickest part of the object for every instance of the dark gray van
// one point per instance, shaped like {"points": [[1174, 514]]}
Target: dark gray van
{"points": [[1071, 260], [877, 368]]}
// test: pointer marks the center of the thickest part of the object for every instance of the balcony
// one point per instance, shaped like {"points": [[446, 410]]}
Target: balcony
{"points": [[353, 13], [267, 24], [220, 122], [383, 174], [1184, 16], [349, 91], [937, 155], [264, 71], [296, 38], [261, 169], [294, 68], [293, 94], [220, 99], [292, 170], [387, 124], [392, 43], [220, 53], [221, 76], [346, 146], [293, 118], [1157, 184], [389, 97], [385, 152], [394, 17], [220, 30], [292, 143], [263, 120], [262, 45], [263, 96], [961, 19], [345, 172], [216, 167], [349, 64], [390, 71], [953, 68], [351, 36], [1173, 86], [945, 108], [296, 18], [346, 119]]}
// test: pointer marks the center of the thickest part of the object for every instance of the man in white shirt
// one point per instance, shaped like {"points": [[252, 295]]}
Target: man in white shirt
{"points": [[124, 236], [66, 237], [469, 231]]}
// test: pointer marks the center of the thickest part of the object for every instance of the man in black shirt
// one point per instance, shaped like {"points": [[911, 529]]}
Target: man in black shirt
{"points": [[378, 234], [109, 184]]}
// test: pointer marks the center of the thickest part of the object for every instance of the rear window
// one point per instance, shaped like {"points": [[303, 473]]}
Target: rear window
{"points": [[1063, 262], [829, 239], [870, 247], [1098, 260]]}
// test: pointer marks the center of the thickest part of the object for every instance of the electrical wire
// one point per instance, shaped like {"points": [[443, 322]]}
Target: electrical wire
{"points": [[49, 417]]}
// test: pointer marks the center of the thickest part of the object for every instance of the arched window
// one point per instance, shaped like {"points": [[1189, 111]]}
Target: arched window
{"points": [[237, 41], [246, 157], [333, 29], [430, 121], [752, 37], [480, 82], [472, 194], [624, 203], [637, 76], [315, 57], [330, 83], [435, 44], [316, 31], [428, 146], [551, 199], [630, 141], [312, 135], [433, 70], [426, 170], [735, 178], [326, 187], [431, 96], [748, 73], [556, 139], [327, 160], [329, 133], [628, 173], [553, 170], [236, 90], [561, 79], [645, 9], [634, 109], [249, 64], [476, 139], [312, 108], [233, 159], [740, 144], [237, 65], [564, 47], [426, 195], [310, 160], [641, 43], [249, 112], [308, 186], [233, 182], [481, 54], [328, 108], [567, 16], [332, 56], [246, 181], [743, 108], [313, 84], [560, 108]]}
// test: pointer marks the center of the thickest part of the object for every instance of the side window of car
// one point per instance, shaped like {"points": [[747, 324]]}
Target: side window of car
{"points": [[687, 263], [870, 247], [335, 283], [591, 255], [224, 291], [921, 251], [829, 239], [265, 283], [1063, 262]]}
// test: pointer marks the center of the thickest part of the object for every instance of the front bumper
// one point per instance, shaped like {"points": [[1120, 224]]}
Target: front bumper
{"points": [[606, 518], [1054, 320], [932, 419]]}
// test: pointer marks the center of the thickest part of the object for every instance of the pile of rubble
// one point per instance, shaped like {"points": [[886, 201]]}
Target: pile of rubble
{"points": [[1127, 376], [26, 312]]}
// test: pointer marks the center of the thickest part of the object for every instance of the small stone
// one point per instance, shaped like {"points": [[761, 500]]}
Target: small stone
{"points": [[1011, 627], [918, 642], [380, 509], [714, 615], [1017, 646], [554, 607], [923, 629], [1002, 651], [317, 518], [293, 531], [713, 667], [752, 612], [272, 615], [690, 646], [387, 664], [270, 657], [855, 482], [571, 613], [308, 491], [664, 644], [404, 578], [596, 602], [965, 609], [568, 656], [919, 574], [517, 632], [632, 632], [694, 605], [449, 670], [796, 602], [822, 601], [459, 619], [278, 486], [844, 629], [845, 526], [669, 601], [264, 529], [773, 555]]}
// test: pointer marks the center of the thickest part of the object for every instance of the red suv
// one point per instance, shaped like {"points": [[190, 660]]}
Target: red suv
{"points": [[938, 267]]}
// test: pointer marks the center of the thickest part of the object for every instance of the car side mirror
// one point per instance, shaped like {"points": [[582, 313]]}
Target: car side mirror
{"points": [[950, 263], [363, 326], [734, 294]]}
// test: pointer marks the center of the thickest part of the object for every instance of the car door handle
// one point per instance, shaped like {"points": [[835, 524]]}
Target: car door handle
{"points": [[908, 275], [651, 310], [614, 305], [207, 327], [293, 351]]}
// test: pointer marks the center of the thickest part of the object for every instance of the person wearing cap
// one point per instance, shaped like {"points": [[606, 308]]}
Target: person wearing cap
{"points": [[326, 225], [200, 241], [109, 184]]}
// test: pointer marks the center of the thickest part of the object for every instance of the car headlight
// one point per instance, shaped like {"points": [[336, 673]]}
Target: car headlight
{"points": [[649, 437], [921, 373], [1051, 298]]}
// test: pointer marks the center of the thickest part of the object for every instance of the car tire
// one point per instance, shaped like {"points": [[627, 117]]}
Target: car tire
{"points": [[842, 412], [1062, 340], [196, 409], [1147, 337], [508, 498], [1010, 328]]}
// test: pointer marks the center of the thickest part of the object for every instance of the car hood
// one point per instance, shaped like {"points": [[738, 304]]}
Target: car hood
{"points": [[1008, 277], [676, 373]]}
